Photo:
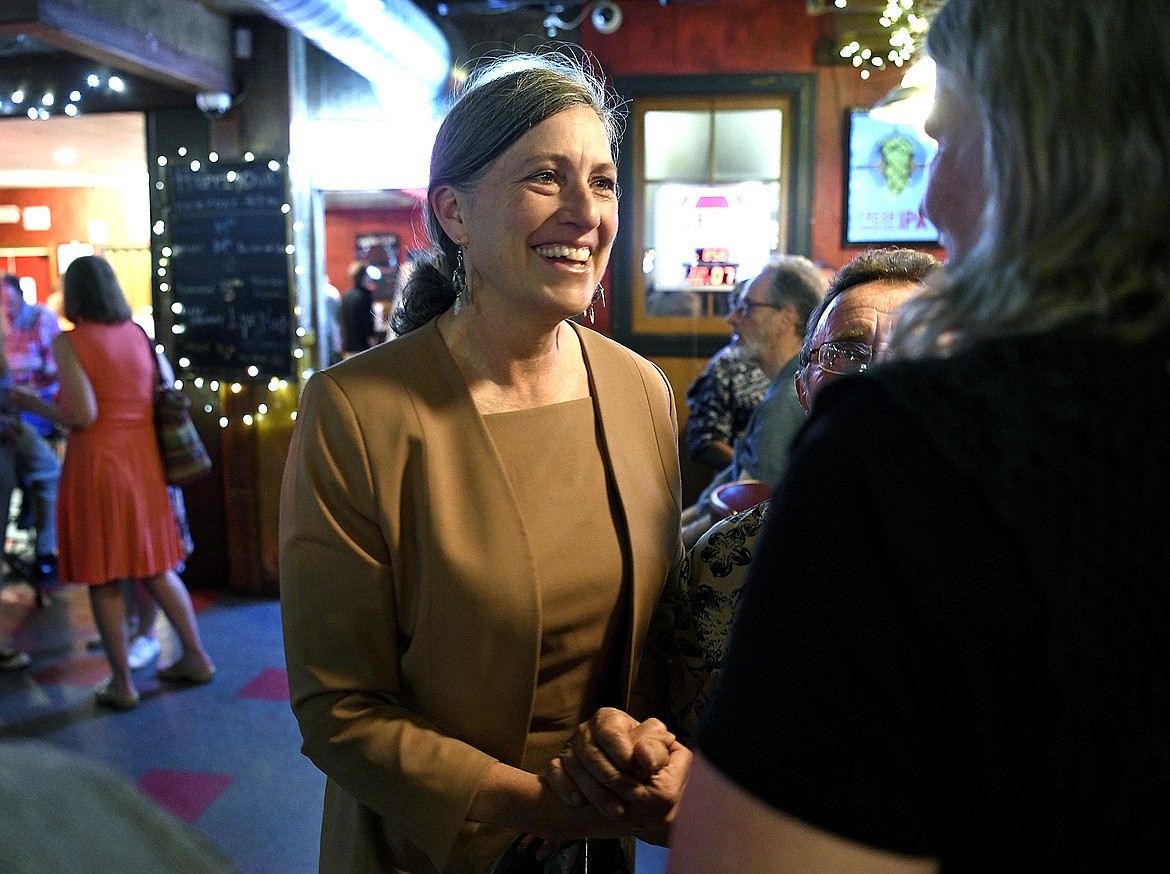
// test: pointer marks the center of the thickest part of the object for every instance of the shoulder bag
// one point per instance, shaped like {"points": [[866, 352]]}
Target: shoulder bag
{"points": [[184, 456]]}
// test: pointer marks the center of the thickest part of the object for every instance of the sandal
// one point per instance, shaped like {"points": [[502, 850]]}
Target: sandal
{"points": [[108, 696], [180, 673], [13, 660]]}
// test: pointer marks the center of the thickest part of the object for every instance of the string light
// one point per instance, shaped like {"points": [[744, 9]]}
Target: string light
{"points": [[274, 401], [66, 101], [904, 23]]}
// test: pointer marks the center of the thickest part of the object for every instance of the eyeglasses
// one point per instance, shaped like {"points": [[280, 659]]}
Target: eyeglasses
{"points": [[842, 357], [744, 307]]}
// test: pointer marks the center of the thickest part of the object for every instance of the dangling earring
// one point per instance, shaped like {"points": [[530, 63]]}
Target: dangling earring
{"points": [[598, 294], [459, 280]]}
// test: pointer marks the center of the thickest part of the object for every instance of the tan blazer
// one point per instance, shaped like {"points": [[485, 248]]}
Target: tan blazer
{"points": [[409, 599]]}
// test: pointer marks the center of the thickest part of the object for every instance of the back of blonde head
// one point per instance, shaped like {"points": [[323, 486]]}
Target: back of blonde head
{"points": [[1077, 221]]}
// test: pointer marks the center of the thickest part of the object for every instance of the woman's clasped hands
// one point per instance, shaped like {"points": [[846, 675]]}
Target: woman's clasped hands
{"points": [[631, 772]]}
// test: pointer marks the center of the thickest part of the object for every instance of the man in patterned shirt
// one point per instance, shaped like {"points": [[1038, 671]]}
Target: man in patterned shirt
{"points": [[29, 345], [720, 401], [846, 330]]}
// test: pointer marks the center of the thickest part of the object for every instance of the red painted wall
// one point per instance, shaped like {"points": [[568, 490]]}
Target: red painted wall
{"points": [[728, 36], [751, 36]]}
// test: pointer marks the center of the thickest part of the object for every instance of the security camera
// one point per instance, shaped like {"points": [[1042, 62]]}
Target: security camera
{"points": [[606, 17], [213, 103]]}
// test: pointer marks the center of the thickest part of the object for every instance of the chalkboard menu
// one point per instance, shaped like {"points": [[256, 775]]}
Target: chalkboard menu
{"points": [[228, 269]]}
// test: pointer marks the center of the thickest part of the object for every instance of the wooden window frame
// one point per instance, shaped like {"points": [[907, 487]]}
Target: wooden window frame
{"points": [[794, 95]]}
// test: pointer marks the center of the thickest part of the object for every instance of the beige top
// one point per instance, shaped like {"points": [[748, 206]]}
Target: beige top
{"points": [[567, 509]]}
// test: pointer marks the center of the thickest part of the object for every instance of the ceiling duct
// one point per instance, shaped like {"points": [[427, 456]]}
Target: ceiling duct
{"points": [[391, 42]]}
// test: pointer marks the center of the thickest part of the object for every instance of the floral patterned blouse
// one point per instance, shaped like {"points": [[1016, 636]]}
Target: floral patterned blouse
{"points": [[712, 574]]}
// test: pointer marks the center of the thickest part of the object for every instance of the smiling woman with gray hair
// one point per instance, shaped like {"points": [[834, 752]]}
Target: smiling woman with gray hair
{"points": [[953, 642], [478, 517]]}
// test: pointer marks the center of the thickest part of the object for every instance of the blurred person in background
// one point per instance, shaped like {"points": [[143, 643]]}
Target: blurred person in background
{"points": [[28, 344], [331, 328], [359, 330], [11, 658], [768, 320]]}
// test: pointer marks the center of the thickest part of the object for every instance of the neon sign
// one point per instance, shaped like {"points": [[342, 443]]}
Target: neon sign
{"points": [[711, 271]]}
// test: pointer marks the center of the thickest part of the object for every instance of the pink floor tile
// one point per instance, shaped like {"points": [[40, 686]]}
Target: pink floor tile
{"points": [[271, 684], [186, 794]]}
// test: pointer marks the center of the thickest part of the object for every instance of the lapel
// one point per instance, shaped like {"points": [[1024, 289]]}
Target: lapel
{"points": [[631, 442]]}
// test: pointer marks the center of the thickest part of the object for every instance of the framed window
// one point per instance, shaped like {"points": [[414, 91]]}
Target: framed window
{"points": [[714, 183], [885, 181]]}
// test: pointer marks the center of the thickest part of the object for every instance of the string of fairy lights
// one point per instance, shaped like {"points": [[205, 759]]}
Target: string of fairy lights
{"points": [[206, 394], [272, 399], [40, 104], [904, 23]]}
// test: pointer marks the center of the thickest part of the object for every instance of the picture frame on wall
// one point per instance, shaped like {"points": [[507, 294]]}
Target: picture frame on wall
{"points": [[379, 249], [887, 167]]}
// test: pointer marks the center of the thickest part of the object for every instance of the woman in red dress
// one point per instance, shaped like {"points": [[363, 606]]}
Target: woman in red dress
{"points": [[113, 516]]}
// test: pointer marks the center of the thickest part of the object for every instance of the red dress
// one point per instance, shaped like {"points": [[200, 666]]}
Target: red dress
{"points": [[114, 520]]}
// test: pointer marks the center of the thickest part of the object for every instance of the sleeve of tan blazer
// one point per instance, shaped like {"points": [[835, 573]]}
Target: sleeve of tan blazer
{"points": [[339, 614]]}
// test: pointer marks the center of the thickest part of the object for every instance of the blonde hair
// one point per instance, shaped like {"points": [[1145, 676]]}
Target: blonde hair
{"points": [[1077, 220]]}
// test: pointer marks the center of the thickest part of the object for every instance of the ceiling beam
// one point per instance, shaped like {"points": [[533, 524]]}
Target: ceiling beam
{"points": [[174, 42]]}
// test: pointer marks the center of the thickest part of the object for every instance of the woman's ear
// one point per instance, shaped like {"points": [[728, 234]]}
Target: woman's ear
{"points": [[446, 207]]}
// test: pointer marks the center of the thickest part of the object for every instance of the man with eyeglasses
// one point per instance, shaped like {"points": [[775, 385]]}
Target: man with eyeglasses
{"points": [[847, 331], [768, 321], [720, 402]]}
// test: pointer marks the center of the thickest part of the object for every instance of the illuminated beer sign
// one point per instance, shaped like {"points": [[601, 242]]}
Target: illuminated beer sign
{"points": [[711, 270]]}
